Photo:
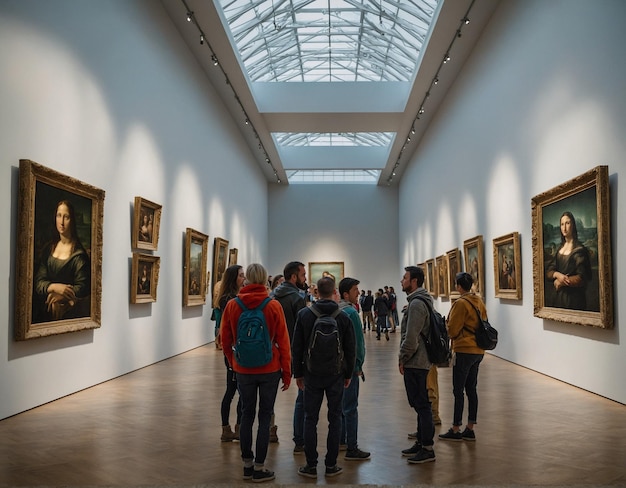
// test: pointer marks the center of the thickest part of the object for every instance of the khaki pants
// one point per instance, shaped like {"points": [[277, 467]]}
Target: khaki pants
{"points": [[432, 383]]}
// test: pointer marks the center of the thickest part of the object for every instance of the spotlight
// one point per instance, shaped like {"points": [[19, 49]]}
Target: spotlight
{"points": [[446, 58], [413, 130], [436, 80], [214, 59], [465, 20], [201, 39], [189, 15], [421, 110]]}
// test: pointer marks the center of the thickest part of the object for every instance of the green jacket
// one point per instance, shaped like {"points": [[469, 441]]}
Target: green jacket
{"points": [[351, 312]]}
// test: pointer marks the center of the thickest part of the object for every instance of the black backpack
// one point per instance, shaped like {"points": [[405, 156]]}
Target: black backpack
{"points": [[324, 356], [486, 334], [437, 342]]}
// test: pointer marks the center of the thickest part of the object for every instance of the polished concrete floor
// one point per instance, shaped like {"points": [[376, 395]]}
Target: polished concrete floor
{"points": [[161, 426]]}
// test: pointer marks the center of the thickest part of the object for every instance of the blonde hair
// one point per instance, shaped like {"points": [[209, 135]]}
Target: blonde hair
{"points": [[256, 274]]}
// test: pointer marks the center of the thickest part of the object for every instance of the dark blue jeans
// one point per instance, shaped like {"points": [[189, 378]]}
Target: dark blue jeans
{"points": [[266, 386], [417, 394], [314, 390], [298, 420], [350, 424], [465, 378]]}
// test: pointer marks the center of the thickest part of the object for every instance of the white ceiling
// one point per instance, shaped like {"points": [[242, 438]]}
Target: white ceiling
{"points": [[262, 108]]}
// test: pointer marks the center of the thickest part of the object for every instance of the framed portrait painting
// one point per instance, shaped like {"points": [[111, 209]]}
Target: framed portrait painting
{"points": [[571, 243], [454, 266], [475, 263], [507, 267], [220, 250], [431, 277], [443, 277], [196, 248], [146, 224], [232, 256], [332, 269], [144, 278], [59, 253], [424, 269]]}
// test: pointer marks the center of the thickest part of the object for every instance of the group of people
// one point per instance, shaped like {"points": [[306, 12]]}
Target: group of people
{"points": [[292, 323]]}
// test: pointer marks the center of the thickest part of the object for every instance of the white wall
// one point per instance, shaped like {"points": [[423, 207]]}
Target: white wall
{"points": [[356, 224], [108, 93], [540, 101]]}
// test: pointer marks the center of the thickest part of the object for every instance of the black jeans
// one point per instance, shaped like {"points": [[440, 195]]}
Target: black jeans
{"points": [[229, 394], [465, 377], [314, 390], [266, 385], [417, 394]]}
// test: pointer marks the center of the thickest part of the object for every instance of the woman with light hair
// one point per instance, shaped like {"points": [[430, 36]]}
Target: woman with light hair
{"points": [[259, 381]]}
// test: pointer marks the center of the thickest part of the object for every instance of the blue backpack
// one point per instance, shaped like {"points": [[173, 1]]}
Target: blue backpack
{"points": [[253, 347]]}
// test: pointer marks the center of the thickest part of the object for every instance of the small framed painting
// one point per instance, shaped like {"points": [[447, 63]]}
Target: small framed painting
{"points": [[146, 223], [144, 278], [431, 277], [454, 266], [442, 276], [220, 250], [507, 266], [196, 248], [475, 263], [332, 269]]}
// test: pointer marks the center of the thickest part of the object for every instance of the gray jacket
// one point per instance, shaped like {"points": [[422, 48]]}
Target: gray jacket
{"points": [[415, 320]]}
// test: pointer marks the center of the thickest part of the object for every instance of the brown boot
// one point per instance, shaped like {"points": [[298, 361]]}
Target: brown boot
{"points": [[227, 434], [273, 429], [236, 434]]}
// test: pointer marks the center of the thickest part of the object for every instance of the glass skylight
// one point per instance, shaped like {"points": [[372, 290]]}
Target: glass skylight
{"points": [[354, 139], [326, 176], [329, 40]]}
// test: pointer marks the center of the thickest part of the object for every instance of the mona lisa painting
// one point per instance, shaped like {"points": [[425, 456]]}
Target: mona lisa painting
{"points": [[572, 251], [59, 253]]}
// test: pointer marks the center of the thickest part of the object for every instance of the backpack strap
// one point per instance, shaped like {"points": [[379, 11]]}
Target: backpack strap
{"points": [[241, 304], [261, 306], [319, 314], [480, 319]]}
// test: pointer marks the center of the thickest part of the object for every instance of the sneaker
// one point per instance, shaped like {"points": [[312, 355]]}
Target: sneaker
{"points": [[357, 455], [423, 456], [451, 436], [248, 472], [333, 470], [343, 447], [308, 471], [468, 435], [413, 450], [412, 435], [261, 475], [298, 450]]}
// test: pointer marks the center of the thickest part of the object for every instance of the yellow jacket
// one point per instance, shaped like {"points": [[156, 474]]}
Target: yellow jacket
{"points": [[462, 316]]}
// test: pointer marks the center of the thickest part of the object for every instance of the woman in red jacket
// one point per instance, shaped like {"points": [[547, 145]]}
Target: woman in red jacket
{"points": [[258, 382]]}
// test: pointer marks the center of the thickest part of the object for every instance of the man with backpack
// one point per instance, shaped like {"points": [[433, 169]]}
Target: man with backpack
{"points": [[414, 364], [324, 353], [255, 341]]}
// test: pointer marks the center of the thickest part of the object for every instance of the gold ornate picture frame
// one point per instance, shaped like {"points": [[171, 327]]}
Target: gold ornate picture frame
{"points": [[507, 266], [220, 258], [571, 242], [195, 272], [431, 277], [443, 277], [144, 278], [146, 224], [455, 265], [59, 253], [474, 254]]}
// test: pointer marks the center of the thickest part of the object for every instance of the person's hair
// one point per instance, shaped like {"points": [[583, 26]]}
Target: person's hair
{"points": [[325, 287], [256, 274], [56, 237], [574, 228], [464, 280], [291, 269], [346, 284], [275, 280], [416, 273], [380, 290], [229, 282]]}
